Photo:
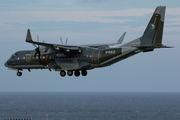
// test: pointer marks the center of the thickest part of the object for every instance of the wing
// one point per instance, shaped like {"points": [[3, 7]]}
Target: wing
{"points": [[65, 47], [72, 47], [120, 40]]}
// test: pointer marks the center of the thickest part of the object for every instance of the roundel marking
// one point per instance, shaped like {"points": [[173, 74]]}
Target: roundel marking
{"points": [[152, 26], [28, 57]]}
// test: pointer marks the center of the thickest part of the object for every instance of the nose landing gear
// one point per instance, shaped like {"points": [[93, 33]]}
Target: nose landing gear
{"points": [[19, 73]]}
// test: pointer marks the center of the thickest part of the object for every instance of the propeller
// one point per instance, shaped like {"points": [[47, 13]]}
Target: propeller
{"points": [[62, 41], [37, 50]]}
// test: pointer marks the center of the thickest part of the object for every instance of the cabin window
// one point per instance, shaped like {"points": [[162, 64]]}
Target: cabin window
{"points": [[14, 56]]}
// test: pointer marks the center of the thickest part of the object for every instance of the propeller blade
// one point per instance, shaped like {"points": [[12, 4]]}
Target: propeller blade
{"points": [[35, 54], [39, 54], [37, 38], [39, 57], [66, 41], [61, 40], [34, 45]]}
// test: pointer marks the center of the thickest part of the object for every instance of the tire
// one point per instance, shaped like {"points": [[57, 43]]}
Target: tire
{"points": [[84, 72], [70, 73], [19, 73], [63, 73], [77, 73]]}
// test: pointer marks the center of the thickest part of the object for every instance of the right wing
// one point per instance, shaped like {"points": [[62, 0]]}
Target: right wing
{"points": [[120, 40]]}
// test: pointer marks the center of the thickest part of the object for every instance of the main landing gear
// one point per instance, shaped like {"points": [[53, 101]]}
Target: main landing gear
{"points": [[76, 73]]}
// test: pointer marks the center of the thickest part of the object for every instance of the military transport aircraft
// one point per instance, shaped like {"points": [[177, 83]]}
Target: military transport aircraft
{"points": [[76, 58]]}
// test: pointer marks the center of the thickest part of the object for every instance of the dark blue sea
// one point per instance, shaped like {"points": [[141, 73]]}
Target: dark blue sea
{"points": [[90, 106]]}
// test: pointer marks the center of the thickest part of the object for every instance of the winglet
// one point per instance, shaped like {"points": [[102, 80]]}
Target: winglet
{"points": [[28, 36], [121, 38]]}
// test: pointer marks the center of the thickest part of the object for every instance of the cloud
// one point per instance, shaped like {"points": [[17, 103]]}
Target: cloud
{"points": [[77, 16], [172, 29], [173, 21], [173, 11]]}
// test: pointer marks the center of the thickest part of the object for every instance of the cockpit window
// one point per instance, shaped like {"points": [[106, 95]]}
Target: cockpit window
{"points": [[14, 56]]}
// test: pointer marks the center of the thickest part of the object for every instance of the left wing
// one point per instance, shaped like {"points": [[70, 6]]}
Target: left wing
{"points": [[65, 47]]}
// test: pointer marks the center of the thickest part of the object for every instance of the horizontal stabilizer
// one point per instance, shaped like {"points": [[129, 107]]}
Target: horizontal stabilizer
{"points": [[167, 46]]}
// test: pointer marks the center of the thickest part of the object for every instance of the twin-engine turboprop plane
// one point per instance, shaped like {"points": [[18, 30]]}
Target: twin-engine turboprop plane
{"points": [[76, 58]]}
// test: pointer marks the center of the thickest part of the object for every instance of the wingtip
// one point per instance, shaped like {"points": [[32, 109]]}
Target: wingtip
{"points": [[121, 38], [28, 36]]}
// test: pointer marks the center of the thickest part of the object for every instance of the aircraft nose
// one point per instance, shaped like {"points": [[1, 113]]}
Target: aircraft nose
{"points": [[5, 64]]}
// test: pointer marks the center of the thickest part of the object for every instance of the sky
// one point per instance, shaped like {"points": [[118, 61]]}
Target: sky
{"points": [[90, 22]]}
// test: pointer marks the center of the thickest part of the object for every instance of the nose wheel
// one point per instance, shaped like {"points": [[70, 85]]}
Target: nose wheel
{"points": [[19, 73]]}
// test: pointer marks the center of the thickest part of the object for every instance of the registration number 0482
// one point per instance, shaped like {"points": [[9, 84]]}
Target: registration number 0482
{"points": [[110, 52]]}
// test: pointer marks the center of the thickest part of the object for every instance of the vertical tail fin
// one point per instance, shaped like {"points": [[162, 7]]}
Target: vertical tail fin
{"points": [[154, 31]]}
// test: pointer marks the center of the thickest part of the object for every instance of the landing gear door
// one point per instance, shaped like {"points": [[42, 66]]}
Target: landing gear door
{"points": [[95, 57]]}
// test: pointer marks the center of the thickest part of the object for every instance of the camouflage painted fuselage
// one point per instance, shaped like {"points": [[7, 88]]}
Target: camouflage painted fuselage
{"points": [[62, 60]]}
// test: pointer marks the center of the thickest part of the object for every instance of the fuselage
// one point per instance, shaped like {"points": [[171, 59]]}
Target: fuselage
{"points": [[62, 60]]}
